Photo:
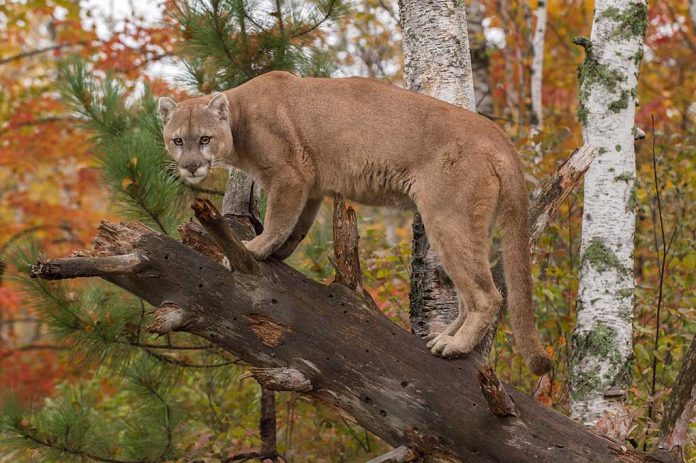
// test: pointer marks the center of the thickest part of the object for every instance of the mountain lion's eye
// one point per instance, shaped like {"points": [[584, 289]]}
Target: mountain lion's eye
{"points": [[178, 141], [205, 140]]}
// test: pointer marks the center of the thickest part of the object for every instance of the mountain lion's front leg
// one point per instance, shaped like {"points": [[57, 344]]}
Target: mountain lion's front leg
{"points": [[286, 201], [304, 223]]}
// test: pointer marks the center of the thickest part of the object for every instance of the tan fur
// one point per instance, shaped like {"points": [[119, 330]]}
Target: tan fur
{"points": [[377, 144]]}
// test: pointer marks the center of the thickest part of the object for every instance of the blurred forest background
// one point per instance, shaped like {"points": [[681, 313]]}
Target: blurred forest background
{"points": [[79, 142]]}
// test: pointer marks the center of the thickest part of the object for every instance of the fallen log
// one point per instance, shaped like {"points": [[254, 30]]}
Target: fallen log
{"points": [[353, 357]]}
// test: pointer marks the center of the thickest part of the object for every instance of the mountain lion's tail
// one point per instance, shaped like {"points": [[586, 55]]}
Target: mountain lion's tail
{"points": [[518, 278]]}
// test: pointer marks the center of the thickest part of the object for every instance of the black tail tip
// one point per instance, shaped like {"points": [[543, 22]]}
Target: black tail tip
{"points": [[539, 364]]}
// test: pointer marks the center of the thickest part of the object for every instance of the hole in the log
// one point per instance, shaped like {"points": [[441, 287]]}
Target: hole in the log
{"points": [[200, 285], [393, 333], [368, 401], [331, 295], [200, 268], [404, 383], [343, 304], [234, 318], [166, 257], [367, 350], [274, 301], [473, 404], [345, 311], [383, 413]]}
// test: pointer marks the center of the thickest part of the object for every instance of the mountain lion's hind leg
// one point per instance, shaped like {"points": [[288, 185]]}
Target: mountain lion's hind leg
{"points": [[452, 327], [461, 237]]}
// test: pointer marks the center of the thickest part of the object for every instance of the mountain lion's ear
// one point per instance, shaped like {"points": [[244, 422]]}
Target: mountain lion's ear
{"points": [[220, 105], [165, 106]]}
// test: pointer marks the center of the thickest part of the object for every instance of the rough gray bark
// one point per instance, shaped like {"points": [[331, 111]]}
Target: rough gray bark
{"points": [[437, 62], [680, 407], [354, 358], [240, 206], [480, 61], [602, 347]]}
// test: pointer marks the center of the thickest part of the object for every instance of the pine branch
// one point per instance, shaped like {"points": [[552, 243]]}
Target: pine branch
{"points": [[317, 24], [77, 452]]}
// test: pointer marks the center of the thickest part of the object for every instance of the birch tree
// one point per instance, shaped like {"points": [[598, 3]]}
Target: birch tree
{"points": [[437, 62], [537, 76], [602, 358], [480, 60]]}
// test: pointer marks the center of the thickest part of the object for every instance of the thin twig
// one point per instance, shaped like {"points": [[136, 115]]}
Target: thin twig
{"points": [[327, 15], [38, 51], [663, 269]]}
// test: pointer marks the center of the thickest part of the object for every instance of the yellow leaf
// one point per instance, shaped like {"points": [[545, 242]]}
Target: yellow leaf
{"points": [[126, 183], [134, 161]]}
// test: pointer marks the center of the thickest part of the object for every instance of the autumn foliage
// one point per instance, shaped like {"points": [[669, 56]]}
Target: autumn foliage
{"points": [[55, 187]]}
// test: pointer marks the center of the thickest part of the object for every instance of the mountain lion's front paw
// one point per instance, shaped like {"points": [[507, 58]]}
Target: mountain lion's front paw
{"points": [[258, 249]]}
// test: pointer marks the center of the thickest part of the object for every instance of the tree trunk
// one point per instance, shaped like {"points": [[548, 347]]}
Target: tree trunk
{"points": [[330, 343], [437, 62], [511, 94], [480, 61], [602, 360], [692, 13], [241, 205], [537, 78]]}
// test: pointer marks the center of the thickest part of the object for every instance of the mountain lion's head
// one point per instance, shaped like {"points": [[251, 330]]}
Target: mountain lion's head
{"points": [[196, 134]]}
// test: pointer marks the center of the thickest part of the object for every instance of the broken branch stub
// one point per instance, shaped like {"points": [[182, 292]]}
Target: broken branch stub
{"points": [[346, 238], [499, 401], [557, 189], [401, 454], [168, 317], [680, 407], [345, 233], [282, 379], [75, 267], [239, 258]]}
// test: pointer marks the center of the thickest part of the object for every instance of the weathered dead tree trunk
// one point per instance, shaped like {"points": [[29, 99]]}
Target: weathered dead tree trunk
{"points": [[680, 408], [330, 343]]}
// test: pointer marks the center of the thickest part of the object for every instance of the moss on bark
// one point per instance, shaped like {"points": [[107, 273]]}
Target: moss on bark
{"points": [[601, 258]]}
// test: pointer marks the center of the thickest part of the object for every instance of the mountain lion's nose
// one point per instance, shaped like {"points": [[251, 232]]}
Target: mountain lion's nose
{"points": [[191, 166]]}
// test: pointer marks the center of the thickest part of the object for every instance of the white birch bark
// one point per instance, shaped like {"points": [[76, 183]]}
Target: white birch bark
{"points": [[437, 62], [602, 359], [537, 75]]}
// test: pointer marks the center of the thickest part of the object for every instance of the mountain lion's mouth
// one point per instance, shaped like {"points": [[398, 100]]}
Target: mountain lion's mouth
{"points": [[193, 179]]}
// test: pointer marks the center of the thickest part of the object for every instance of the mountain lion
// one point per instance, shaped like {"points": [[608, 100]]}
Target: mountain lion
{"points": [[377, 144]]}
